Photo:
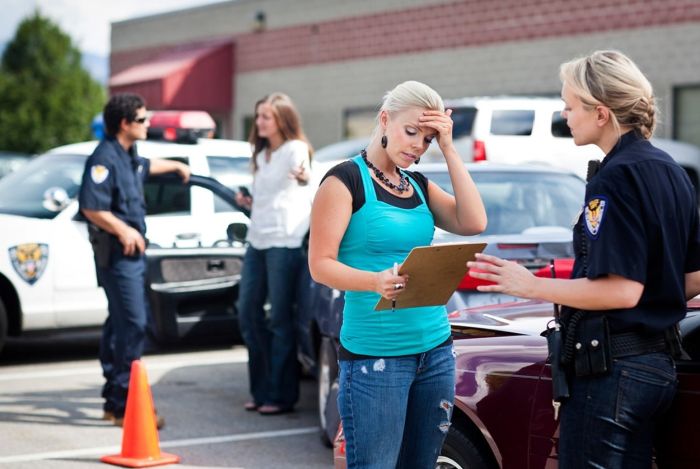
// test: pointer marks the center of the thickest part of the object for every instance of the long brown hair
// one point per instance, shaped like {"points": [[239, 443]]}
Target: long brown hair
{"points": [[287, 119]]}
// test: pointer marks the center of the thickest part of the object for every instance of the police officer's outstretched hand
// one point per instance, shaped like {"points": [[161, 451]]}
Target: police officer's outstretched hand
{"points": [[132, 241], [184, 171], [508, 277]]}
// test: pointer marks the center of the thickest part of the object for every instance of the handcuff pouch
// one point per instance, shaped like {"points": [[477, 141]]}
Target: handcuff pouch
{"points": [[592, 347]]}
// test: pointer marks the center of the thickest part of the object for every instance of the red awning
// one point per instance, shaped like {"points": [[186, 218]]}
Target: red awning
{"points": [[198, 77]]}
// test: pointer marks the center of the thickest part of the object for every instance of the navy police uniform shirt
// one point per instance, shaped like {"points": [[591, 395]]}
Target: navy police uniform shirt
{"points": [[113, 181], [640, 221]]}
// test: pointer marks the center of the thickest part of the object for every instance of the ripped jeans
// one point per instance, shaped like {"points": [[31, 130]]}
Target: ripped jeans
{"points": [[396, 411]]}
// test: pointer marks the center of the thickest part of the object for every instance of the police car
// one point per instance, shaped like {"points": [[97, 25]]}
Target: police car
{"points": [[195, 233]]}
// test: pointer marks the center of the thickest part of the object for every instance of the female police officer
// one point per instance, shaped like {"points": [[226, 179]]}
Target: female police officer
{"points": [[636, 244]]}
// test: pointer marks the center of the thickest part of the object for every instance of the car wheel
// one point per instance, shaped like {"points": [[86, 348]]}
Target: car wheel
{"points": [[3, 325], [327, 391], [458, 452]]}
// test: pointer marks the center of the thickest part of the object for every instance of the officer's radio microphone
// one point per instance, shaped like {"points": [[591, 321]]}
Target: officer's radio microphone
{"points": [[593, 167]]}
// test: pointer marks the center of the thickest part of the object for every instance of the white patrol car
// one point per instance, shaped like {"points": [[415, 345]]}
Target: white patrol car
{"points": [[47, 273]]}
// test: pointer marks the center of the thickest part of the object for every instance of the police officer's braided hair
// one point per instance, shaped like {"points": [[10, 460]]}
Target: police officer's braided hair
{"points": [[611, 79], [121, 106]]}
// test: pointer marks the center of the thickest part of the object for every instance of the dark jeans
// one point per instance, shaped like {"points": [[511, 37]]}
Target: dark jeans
{"points": [[124, 331], [273, 368], [609, 420]]}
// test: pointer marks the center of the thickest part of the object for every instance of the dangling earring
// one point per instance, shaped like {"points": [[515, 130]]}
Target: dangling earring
{"points": [[384, 141], [417, 160]]}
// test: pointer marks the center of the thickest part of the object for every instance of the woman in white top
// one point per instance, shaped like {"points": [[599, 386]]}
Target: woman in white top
{"points": [[280, 208]]}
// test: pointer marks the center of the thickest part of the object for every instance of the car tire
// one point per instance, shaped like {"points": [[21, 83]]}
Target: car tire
{"points": [[327, 391], [3, 325], [458, 452]]}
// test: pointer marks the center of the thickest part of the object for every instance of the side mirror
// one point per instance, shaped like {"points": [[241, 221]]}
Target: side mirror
{"points": [[237, 232], [55, 199]]}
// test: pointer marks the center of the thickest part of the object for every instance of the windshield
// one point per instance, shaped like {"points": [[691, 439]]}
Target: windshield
{"points": [[22, 192], [517, 201]]}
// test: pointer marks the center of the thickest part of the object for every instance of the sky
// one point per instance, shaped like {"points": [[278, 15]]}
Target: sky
{"points": [[86, 21]]}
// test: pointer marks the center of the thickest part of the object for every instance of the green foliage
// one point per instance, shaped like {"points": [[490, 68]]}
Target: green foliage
{"points": [[46, 97]]}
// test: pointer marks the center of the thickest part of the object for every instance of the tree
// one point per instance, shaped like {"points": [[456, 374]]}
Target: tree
{"points": [[46, 97]]}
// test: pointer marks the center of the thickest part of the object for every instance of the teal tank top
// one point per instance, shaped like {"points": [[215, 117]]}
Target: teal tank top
{"points": [[378, 235]]}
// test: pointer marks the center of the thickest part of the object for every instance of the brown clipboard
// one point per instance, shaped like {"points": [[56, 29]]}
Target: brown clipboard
{"points": [[434, 274]]}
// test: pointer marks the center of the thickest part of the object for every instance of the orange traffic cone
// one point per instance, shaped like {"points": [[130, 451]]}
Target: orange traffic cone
{"points": [[140, 447]]}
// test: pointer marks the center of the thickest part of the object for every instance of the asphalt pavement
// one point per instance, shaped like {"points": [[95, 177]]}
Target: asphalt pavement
{"points": [[50, 410]]}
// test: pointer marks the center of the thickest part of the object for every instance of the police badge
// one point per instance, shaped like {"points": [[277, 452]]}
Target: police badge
{"points": [[29, 260], [593, 212]]}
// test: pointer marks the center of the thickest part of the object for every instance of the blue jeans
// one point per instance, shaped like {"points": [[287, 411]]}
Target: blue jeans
{"points": [[396, 411], [124, 331], [609, 420], [273, 368]]}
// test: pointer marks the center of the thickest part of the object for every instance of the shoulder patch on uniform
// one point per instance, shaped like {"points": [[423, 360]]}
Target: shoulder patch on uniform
{"points": [[99, 173], [594, 214]]}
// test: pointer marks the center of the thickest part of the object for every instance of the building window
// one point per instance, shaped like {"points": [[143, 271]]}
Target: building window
{"points": [[686, 114], [359, 122]]}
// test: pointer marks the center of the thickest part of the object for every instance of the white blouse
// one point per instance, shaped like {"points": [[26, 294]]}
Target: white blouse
{"points": [[281, 206]]}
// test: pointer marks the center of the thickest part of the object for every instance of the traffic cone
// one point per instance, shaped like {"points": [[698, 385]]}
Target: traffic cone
{"points": [[140, 446]]}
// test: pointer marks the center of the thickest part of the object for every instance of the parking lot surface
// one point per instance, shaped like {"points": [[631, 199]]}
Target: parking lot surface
{"points": [[50, 411]]}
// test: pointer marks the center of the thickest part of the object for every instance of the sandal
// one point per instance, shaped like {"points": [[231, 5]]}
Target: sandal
{"points": [[272, 409], [250, 406]]}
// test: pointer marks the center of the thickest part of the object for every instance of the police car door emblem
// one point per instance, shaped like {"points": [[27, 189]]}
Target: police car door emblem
{"points": [[594, 211], [29, 260], [98, 173]]}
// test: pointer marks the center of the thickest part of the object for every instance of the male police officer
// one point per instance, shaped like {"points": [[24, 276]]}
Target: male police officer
{"points": [[111, 198]]}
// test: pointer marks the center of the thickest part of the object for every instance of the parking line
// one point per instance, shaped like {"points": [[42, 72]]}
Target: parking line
{"points": [[151, 364], [164, 444]]}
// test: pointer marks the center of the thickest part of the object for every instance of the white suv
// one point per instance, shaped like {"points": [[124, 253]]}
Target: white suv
{"points": [[47, 273], [531, 130]]}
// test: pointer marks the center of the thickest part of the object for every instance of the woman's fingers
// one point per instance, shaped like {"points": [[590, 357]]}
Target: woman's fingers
{"points": [[481, 257], [390, 285]]}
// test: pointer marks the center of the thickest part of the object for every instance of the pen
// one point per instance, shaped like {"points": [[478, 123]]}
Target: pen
{"points": [[396, 272]]}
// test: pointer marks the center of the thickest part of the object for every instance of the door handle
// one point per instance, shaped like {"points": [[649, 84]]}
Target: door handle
{"points": [[187, 236], [216, 265]]}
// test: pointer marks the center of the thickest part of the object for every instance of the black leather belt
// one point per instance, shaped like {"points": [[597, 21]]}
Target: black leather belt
{"points": [[627, 344]]}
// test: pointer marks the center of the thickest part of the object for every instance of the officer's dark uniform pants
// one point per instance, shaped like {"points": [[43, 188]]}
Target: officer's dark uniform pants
{"points": [[124, 330], [609, 420]]}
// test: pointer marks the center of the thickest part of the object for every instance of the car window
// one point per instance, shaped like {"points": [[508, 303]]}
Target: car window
{"points": [[514, 122], [559, 127], [221, 205], [232, 172], [171, 198], [167, 197], [10, 162], [462, 121], [24, 191], [516, 201]]}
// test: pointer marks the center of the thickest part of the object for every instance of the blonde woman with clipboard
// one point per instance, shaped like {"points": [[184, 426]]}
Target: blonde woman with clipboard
{"points": [[396, 367]]}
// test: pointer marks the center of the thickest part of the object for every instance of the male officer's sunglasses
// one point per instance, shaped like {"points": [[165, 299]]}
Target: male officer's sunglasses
{"points": [[141, 120]]}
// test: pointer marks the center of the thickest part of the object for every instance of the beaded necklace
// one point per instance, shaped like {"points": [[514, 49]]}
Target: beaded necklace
{"points": [[403, 185]]}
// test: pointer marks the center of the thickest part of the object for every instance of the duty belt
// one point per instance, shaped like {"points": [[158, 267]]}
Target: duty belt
{"points": [[626, 344]]}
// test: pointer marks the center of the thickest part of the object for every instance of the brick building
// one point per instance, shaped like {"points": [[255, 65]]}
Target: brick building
{"points": [[336, 58]]}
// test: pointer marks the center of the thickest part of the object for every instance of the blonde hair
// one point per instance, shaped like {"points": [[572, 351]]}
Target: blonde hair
{"points": [[409, 94], [611, 79], [288, 121]]}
